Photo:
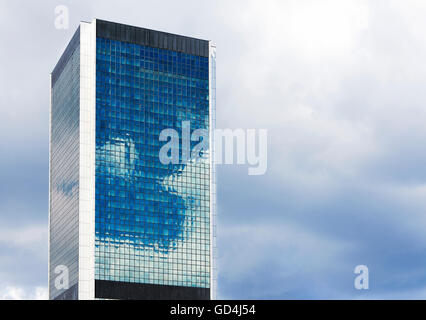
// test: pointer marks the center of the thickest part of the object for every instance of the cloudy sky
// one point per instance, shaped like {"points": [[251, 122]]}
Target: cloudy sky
{"points": [[340, 86]]}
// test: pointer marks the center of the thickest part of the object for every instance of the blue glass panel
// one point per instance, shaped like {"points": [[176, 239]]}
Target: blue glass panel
{"points": [[152, 220]]}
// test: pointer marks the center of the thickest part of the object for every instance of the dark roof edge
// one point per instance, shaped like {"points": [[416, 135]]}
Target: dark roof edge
{"points": [[69, 50], [151, 38]]}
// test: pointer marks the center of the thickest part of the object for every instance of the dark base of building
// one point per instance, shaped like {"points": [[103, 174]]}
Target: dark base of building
{"points": [[70, 294], [140, 291]]}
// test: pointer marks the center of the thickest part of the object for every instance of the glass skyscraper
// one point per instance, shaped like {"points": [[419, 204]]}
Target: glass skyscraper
{"points": [[122, 223]]}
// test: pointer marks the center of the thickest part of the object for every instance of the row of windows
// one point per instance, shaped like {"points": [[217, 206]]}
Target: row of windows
{"points": [[185, 186], [137, 77], [140, 183], [123, 67], [148, 116], [191, 87], [186, 258], [146, 91], [153, 92], [146, 173], [163, 213], [159, 229], [179, 101], [135, 49], [160, 56], [113, 101], [162, 209], [162, 230], [109, 262], [200, 174], [161, 280]]}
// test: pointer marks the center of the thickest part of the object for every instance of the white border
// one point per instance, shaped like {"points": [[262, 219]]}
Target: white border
{"points": [[50, 176], [86, 256], [212, 124]]}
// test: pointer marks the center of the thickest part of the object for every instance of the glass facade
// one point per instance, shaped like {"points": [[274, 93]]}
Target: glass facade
{"points": [[152, 220], [64, 168]]}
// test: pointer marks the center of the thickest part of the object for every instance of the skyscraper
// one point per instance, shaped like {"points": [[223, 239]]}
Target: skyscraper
{"points": [[122, 223]]}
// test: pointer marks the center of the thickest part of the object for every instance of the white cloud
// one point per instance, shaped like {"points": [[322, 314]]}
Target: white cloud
{"points": [[18, 293]]}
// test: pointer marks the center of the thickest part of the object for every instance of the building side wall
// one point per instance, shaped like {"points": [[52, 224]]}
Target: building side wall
{"points": [[64, 170]]}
